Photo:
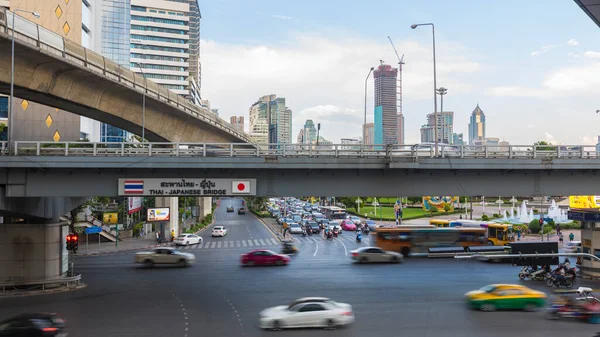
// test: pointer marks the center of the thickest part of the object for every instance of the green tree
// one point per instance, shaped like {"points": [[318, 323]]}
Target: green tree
{"points": [[433, 209], [534, 226], [544, 146], [485, 217]]}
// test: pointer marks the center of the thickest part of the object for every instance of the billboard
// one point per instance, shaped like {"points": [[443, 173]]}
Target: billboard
{"points": [[159, 214], [135, 204], [584, 201], [110, 218]]}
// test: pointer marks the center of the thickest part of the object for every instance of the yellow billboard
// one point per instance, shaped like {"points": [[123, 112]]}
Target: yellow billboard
{"points": [[110, 218], [584, 201]]}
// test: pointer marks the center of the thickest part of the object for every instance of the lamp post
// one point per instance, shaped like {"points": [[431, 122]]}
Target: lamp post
{"points": [[12, 74], [365, 122], [143, 103], [434, 82], [318, 131], [443, 91]]}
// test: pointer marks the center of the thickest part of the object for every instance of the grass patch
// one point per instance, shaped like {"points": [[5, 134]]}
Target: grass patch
{"points": [[205, 222], [390, 215], [261, 214]]}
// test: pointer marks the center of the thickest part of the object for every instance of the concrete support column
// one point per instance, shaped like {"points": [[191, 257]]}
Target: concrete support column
{"points": [[33, 251], [173, 204], [204, 206]]}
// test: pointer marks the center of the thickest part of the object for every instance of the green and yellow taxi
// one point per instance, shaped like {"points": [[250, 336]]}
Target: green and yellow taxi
{"points": [[505, 297]]}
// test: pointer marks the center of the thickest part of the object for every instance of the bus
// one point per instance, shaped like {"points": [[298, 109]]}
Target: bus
{"points": [[439, 223], [498, 234], [333, 212], [418, 240]]}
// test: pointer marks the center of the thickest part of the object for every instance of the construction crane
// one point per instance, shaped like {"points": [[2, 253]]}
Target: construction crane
{"points": [[399, 90]]}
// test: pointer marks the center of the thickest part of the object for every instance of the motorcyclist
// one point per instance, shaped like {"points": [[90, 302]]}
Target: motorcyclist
{"points": [[567, 264]]}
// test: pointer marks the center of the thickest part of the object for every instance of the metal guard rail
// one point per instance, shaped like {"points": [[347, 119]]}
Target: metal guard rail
{"points": [[518, 152], [483, 256], [30, 33], [70, 282]]}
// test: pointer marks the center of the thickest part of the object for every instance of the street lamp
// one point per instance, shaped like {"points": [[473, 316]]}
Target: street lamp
{"points": [[318, 131], [12, 74], [434, 82], [365, 123], [143, 103], [442, 91]]}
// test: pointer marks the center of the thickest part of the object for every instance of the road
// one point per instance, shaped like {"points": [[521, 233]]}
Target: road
{"points": [[217, 297]]}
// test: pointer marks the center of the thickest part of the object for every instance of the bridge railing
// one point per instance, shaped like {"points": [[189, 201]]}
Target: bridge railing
{"points": [[30, 33], [34, 148]]}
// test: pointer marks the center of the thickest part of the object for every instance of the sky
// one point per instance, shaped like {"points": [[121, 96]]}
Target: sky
{"points": [[532, 66]]}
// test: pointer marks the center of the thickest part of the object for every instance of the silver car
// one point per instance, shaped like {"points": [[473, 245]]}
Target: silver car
{"points": [[375, 255], [164, 255]]}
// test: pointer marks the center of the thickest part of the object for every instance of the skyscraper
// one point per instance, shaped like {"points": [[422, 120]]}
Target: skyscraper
{"points": [[386, 115], [400, 128], [237, 122], [477, 125], [300, 137], [270, 121], [309, 132], [445, 126]]}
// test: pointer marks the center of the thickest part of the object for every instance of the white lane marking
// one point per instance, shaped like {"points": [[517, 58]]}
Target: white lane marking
{"points": [[345, 250], [250, 243], [200, 245], [273, 242], [238, 244], [262, 243], [244, 243], [219, 244], [225, 244], [213, 245], [316, 250], [257, 243]]}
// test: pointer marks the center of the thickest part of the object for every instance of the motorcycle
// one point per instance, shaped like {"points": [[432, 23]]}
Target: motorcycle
{"points": [[534, 274], [586, 308], [303, 232], [558, 280], [359, 237], [329, 236], [289, 248], [335, 233]]}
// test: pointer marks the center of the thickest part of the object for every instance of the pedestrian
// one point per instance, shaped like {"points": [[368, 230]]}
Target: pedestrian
{"points": [[571, 236], [560, 238], [518, 235], [172, 235], [157, 237]]}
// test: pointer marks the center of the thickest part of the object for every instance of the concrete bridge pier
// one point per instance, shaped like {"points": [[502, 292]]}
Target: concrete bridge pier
{"points": [[173, 204], [30, 252]]}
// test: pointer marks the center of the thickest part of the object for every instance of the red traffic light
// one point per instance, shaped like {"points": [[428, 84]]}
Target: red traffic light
{"points": [[75, 238], [68, 237]]}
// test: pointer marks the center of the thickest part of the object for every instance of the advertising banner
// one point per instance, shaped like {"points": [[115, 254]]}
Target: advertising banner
{"points": [[584, 201], [159, 214], [110, 218], [186, 187], [135, 204]]}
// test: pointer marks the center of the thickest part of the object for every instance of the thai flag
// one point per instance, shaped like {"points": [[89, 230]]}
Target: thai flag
{"points": [[134, 187]]}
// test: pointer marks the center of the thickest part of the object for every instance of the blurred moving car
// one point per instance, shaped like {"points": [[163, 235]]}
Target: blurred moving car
{"points": [[348, 225], [230, 209], [375, 255], [372, 225], [219, 231], [242, 211], [261, 257], [164, 255], [505, 297], [308, 312], [572, 247], [187, 239], [314, 226], [357, 221], [33, 325]]}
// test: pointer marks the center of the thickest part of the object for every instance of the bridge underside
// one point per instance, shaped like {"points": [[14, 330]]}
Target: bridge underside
{"points": [[84, 182]]}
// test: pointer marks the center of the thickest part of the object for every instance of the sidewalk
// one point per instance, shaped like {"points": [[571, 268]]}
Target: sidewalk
{"points": [[554, 237], [128, 244]]}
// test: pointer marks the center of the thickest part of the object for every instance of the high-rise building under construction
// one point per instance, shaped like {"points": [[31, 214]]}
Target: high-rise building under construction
{"points": [[386, 114]]}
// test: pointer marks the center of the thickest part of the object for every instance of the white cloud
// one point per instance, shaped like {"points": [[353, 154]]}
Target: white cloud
{"points": [[281, 17], [573, 42], [550, 138], [592, 54], [323, 78], [535, 53], [575, 55], [517, 91]]}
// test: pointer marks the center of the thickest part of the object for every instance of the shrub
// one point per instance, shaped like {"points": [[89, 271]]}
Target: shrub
{"points": [[535, 211], [534, 226], [551, 224], [433, 209], [137, 228], [447, 208], [495, 215], [485, 217]]}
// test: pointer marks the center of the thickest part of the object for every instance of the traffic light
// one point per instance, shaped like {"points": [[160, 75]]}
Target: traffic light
{"points": [[72, 242]]}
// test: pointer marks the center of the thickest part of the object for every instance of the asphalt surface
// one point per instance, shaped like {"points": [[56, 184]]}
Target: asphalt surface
{"points": [[217, 297]]}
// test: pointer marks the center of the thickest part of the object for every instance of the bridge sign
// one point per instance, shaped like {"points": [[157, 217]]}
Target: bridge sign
{"points": [[93, 230], [210, 187]]}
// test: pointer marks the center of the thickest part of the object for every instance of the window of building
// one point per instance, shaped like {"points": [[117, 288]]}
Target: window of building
{"points": [[158, 29], [157, 57], [166, 77], [85, 28], [169, 49], [138, 8], [161, 12], [159, 20], [157, 38], [87, 4], [158, 67], [153, 11]]}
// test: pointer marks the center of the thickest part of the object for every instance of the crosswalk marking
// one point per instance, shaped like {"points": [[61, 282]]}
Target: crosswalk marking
{"points": [[213, 244], [250, 243], [244, 243], [200, 245], [274, 242], [237, 244], [257, 243], [219, 244], [262, 243]]}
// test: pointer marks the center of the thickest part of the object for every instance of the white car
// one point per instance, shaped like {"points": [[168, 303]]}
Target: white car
{"points": [[309, 312], [187, 239], [165, 255], [295, 228], [375, 255], [357, 221], [572, 246], [219, 231]]}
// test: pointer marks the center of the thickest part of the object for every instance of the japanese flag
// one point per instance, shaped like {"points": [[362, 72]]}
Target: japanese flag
{"points": [[240, 187]]}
